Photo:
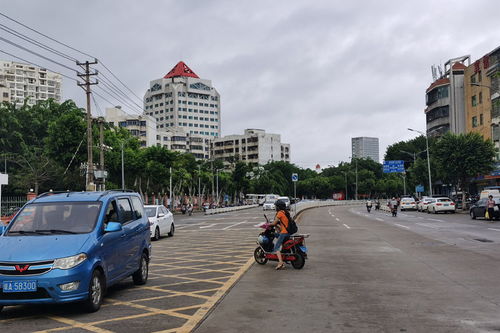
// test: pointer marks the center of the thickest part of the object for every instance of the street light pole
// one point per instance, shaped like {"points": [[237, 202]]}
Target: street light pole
{"points": [[217, 186], [428, 159], [345, 176], [123, 170]]}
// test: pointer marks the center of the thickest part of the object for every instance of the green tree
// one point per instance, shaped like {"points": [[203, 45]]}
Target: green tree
{"points": [[463, 156]]}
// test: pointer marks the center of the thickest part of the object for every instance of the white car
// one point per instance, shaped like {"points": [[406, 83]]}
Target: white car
{"points": [[422, 204], [442, 204], [268, 205], [161, 221], [408, 203], [286, 200]]}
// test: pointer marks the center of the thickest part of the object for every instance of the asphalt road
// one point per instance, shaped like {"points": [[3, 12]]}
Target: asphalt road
{"points": [[374, 273], [189, 273]]}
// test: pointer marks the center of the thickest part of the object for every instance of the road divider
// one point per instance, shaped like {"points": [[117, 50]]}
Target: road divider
{"points": [[228, 209], [298, 208]]}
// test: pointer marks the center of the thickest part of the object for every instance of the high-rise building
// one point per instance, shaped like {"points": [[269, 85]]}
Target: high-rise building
{"points": [[182, 99], [144, 128], [28, 82], [445, 109], [255, 146], [365, 147]]}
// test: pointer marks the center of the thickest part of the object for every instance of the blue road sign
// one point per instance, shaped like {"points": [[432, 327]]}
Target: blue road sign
{"points": [[394, 166], [419, 188], [295, 177]]}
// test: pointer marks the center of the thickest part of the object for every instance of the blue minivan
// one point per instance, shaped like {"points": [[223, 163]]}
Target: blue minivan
{"points": [[71, 246]]}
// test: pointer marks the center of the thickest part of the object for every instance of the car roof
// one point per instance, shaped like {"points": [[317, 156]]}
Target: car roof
{"points": [[81, 196]]}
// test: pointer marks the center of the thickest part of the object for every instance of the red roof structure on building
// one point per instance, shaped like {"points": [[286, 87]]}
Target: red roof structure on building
{"points": [[458, 65], [181, 69], [436, 83]]}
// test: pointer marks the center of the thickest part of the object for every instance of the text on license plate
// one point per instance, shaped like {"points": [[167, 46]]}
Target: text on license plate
{"points": [[19, 286], [446, 204]]}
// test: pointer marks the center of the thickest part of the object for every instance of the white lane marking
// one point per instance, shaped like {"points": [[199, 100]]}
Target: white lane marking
{"points": [[379, 219], [337, 219], [208, 226], [402, 226], [436, 220], [348, 227], [233, 225], [494, 229], [427, 225]]}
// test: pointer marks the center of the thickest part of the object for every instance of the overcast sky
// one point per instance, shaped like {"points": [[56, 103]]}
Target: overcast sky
{"points": [[316, 72]]}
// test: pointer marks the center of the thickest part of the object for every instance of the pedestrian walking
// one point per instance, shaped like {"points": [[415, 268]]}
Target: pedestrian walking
{"points": [[491, 207]]}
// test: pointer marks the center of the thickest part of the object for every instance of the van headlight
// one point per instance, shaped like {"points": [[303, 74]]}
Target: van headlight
{"points": [[70, 262]]}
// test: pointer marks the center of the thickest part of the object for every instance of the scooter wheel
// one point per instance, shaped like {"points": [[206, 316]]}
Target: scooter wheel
{"points": [[260, 256], [299, 261]]}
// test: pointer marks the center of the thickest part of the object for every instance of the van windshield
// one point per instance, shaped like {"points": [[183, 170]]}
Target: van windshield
{"points": [[55, 218]]}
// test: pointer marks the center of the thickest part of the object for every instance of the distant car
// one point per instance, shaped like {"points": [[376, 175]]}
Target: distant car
{"points": [[479, 210], [71, 246], [161, 221], [269, 205], [441, 204], [286, 200], [9, 215], [422, 204], [408, 204]]}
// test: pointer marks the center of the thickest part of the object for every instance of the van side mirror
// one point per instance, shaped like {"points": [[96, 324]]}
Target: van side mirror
{"points": [[113, 226], [161, 215]]}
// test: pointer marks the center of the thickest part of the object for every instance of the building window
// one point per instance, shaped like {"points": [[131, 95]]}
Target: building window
{"points": [[481, 119], [480, 97], [474, 121], [474, 100]]}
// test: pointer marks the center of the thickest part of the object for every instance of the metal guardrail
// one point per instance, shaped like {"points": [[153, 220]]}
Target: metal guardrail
{"points": [[228, 209], [303, 205]]}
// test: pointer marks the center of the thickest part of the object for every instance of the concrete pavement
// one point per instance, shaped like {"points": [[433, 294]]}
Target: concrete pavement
{"points": [[369, 274]]}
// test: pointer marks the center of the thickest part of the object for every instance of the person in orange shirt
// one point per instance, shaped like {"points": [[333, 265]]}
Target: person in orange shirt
{"points": [[282, 217]]}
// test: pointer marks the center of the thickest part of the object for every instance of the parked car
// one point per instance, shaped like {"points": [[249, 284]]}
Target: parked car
{"points": [[408, 204], [422, 204], [269, 205], [71, 246], [441, 204], [479, 209], [161, 221]]}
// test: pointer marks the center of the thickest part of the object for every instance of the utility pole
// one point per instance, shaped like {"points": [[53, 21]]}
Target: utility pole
{"points": [[171, 196], [86, 86], [101, 153], [199, 185], [123, 169]]}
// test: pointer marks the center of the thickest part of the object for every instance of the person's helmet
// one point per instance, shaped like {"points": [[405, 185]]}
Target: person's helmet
{"points": [[280, 205]]}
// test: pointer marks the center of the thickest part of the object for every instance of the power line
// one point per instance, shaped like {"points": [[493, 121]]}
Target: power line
{"points": [[35, 64], [37, 54], [35, 42], [44, 35], [70, 47]]}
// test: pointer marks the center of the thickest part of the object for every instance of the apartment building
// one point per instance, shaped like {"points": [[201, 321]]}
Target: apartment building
{"points": [[4, 93], [29, 83], [365, 147], [144, 128], [254, 146], [445, 107], [492, 69], [182, 99], [477, 98]]}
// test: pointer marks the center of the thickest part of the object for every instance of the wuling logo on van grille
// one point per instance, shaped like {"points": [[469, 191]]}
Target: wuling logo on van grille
{"points": [[21, 269]]}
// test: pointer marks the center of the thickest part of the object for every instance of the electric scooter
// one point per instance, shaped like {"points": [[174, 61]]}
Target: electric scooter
{"points": [[293, 250]]}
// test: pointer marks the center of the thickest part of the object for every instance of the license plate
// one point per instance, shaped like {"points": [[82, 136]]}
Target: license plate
{"points": [[446, 204], [19, 286]]}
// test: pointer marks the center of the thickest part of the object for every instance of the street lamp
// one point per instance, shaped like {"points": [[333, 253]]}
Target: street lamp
{"points": [[356, 161], [414, 155], [345, 176], [428, 159]]}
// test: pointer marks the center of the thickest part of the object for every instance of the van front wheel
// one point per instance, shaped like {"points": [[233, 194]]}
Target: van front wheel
{"points": [[96, 292]]}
